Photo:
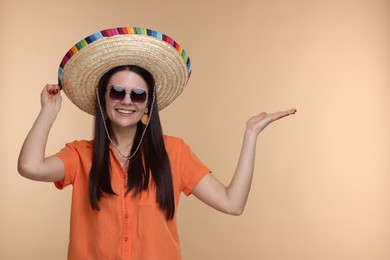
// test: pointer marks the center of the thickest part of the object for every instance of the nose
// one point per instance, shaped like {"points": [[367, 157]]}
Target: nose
{"points": [[127, 99]]}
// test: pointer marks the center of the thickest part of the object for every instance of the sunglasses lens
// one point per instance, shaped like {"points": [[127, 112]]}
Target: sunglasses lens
{"points": [[138, 95], [117, 93]]}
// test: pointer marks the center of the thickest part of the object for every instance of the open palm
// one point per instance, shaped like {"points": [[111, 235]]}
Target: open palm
{"points": [[258, 122]]}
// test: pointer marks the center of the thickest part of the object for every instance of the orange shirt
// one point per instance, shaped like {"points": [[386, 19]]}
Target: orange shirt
{"points": [[126, 227]]}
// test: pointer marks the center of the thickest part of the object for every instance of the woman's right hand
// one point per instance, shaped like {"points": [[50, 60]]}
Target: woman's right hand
{"points": [[51, 98]]}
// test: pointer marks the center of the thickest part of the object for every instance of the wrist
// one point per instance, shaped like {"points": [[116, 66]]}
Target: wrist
{"points": [[250, 135], [48, 113]]}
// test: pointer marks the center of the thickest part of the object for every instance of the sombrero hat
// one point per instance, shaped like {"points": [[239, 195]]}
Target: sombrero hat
{"points": [[87, 61]]}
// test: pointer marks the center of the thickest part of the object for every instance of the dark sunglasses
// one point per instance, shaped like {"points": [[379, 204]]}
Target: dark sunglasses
{"points": [[118, 93]]}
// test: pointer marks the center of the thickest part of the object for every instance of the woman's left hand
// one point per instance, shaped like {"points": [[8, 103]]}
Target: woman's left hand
{"points": [[258, 122]]}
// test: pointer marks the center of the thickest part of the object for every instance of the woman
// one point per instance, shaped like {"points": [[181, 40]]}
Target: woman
{"points": [[127, 180]]}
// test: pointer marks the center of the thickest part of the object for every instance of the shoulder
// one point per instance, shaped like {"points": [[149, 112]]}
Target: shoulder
{"points": [[177, 147], [173, 142], [80, 145], [75, 151]]}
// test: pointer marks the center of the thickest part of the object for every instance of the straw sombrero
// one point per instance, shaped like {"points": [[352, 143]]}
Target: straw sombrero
{"points": [[85, 63]]}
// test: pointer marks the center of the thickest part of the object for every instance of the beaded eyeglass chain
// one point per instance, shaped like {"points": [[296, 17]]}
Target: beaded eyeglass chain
{"points": [[130, 156]]}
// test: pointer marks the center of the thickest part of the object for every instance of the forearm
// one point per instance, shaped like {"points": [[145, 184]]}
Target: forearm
{"points": [[238, 190], [32, 154], [232, 199]]}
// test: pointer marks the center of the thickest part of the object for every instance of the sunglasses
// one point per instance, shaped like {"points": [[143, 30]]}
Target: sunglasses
{"points": [[118, 93]]}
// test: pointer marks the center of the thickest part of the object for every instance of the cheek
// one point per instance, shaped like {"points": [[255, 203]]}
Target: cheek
{"points": [[109, 106], [108, 101], [145, 110]]}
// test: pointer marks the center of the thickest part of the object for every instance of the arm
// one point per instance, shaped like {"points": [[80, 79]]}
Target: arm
{"points": [[232, 199], [32, 163]]}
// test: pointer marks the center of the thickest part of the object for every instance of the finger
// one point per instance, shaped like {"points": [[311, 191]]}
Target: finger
{"points": [[278, 115], [285, 113], [288, 112], [52, 89], [49, 88], [57, 88]]}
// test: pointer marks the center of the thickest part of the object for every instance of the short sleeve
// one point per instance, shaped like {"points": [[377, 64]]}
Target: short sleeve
{"points": [[71, 156], [189, 168]]}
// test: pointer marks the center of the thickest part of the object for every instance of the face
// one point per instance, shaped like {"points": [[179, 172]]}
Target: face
{"points": [[126, 112]]}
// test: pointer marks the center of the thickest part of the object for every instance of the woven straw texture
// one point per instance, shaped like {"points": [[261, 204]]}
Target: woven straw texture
{"points": [[82, 71]]}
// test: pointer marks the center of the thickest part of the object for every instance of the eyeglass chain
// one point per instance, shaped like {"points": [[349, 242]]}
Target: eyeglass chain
{"points": [[127, 157]]}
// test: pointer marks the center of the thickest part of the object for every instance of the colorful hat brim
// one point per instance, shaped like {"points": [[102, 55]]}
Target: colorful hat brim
{"points": [[86, 62]]}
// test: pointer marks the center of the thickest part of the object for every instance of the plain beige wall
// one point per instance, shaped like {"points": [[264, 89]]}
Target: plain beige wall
{"points": [[321, 186]]}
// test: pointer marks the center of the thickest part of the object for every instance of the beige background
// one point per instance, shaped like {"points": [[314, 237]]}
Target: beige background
{"points": [[321, 186]]}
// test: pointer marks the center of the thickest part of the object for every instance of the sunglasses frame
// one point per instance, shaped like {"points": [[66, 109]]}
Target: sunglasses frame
{"points": [[131, 93]]}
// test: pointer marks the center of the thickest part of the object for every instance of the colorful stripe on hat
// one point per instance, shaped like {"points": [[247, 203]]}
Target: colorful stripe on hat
{"points": [[122, 31]]}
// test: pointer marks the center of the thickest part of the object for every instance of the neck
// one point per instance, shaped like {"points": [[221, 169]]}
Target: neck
{"points": [[123, 137]]}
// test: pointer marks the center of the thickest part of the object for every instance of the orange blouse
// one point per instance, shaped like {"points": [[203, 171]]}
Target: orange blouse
{"points": [[126, 227]]}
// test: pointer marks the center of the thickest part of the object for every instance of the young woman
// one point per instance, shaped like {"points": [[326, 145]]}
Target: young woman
{"points": [[127, 180]]}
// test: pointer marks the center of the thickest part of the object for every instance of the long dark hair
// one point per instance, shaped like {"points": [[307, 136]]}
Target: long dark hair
{"points": [[151, 158]]}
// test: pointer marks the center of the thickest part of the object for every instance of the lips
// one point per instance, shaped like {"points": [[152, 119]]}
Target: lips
{"points": [[125, 111]]}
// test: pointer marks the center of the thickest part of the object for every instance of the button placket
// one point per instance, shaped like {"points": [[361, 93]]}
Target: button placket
{"points": [[126, 238]]}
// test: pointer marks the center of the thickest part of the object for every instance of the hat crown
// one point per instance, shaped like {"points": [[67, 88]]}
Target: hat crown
{"points": [[83, 65]]}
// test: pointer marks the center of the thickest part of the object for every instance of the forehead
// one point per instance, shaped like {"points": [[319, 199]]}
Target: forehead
{"points": [[127, 79]]}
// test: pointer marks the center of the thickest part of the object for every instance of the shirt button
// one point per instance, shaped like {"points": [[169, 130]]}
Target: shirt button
{"points": [[126, 216], [125, 239]]}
